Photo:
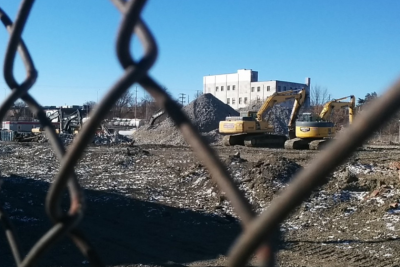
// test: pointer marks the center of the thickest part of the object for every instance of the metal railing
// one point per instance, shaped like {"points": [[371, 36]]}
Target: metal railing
{"points": [[256, 230]]}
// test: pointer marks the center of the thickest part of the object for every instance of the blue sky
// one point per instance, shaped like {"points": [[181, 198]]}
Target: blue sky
{"points": [[348, 47]]}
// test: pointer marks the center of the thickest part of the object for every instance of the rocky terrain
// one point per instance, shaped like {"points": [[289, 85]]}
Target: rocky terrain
{"points": [[152, 203], [155, 205]]}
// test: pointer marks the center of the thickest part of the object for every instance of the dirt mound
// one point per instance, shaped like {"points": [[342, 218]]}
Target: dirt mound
{"points": [[276, 169], [205, 112], [263, 179], [269, 176]]}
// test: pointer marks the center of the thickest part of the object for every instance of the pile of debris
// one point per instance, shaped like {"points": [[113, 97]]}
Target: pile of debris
{"points": [[67, 139], [106, 139], [205, 112], [278, 116]]}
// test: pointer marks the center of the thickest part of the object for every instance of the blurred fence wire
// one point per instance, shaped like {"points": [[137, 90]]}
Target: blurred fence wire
{"points": [[256, 230]]}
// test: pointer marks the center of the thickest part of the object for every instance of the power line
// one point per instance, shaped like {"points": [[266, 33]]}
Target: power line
{"points": [[182, 98]]}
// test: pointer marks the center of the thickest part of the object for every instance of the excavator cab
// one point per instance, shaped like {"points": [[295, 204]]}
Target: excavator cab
{"points": [[309, 117], [252, 114]]}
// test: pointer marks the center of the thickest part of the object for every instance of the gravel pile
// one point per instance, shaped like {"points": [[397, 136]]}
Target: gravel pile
{"points": [[278, 115], [205, 112]]}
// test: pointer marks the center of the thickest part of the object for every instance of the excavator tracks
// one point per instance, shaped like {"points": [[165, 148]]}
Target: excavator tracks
{"points": [[296, 143], [302, 144], [256, 140]]}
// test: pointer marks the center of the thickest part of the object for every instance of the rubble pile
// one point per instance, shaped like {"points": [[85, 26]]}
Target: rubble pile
{"points": [[98, 139], [106, 139], [278, 116], [205, 112]]}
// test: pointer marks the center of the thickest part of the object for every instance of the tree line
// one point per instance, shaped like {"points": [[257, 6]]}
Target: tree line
{"points": [[127, 106]]}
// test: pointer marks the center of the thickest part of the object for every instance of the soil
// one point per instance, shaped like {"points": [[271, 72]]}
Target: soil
{"points": [[155, 205]]}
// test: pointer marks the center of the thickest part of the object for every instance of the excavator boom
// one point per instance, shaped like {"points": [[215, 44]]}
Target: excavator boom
{"points": [[337, 103], [298, 102], [279, 97]]}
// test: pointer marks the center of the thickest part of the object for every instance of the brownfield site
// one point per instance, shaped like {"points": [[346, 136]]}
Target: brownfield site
{"points": [[155, 205]]}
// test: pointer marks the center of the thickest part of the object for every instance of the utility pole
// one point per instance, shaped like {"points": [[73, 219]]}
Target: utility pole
{"points": [[182, 98], [198, 93], [135, 102], [188, 99]]}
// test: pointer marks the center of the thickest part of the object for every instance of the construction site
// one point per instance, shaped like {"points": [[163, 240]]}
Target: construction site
{"points": [[253, 171], [161, 208]]}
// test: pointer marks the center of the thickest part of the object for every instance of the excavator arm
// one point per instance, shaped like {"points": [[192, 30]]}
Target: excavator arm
{"points": [[280, 97], [298, 102], [336, 103]]}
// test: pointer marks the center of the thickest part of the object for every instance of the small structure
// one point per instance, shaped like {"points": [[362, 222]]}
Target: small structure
{"points": [[20, 126]]}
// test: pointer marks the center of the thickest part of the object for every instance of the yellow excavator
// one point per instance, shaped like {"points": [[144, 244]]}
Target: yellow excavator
{"points": [[313, 131], [250, 129]]}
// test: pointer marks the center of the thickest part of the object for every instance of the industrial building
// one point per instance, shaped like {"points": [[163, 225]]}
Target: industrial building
{"points": [[242, 88]]}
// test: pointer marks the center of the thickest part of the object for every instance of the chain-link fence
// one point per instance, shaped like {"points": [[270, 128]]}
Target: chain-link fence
{"points": [[257, 231]]}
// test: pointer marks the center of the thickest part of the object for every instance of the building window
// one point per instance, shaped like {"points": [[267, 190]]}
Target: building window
{"points": [[233, 88], [216, 88], [279, 88], [245, 100], [228, 88], [228, 101], [258, 99], [240, 100], [284, 88], [233, 101], [268, 88], [290, 88], [252, 89], [258, 88], [222, 88]]}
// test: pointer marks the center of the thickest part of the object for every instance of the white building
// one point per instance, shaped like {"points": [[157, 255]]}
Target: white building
{"points": [[240, 89]]}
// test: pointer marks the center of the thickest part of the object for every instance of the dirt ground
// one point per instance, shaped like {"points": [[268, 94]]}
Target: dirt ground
{"points": [[155, 205]]}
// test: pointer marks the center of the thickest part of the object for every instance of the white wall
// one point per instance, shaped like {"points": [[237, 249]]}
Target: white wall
{"points": [[240, 86]]}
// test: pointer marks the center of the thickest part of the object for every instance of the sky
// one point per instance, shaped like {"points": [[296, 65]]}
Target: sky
{"points": [[347, 47]]}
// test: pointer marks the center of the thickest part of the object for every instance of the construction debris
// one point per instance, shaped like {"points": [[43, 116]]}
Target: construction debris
{"points": [[166, 186], [205, 112]]}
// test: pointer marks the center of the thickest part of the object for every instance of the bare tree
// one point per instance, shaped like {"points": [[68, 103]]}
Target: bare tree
{"points": [[123, 104], [318, 97], [18, 110], [90, 104], [197, 94], [148, 106]]}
